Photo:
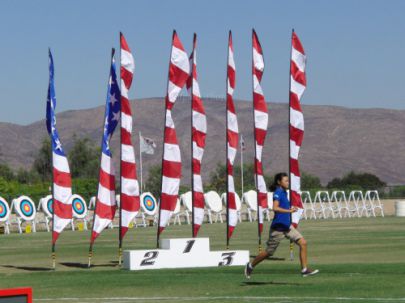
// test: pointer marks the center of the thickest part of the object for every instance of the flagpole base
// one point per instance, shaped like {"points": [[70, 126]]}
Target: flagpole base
{"points": [[53, 260]]}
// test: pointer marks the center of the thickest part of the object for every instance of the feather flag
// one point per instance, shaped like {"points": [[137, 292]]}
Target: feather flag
{"points": [[62, 182], [198, 134], [105, 203], [261, 118], [130, 202], [297, 87], [171, 160], [232, 132]]}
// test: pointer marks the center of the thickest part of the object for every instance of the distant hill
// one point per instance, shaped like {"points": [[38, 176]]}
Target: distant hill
{"points": [[336, 141]]}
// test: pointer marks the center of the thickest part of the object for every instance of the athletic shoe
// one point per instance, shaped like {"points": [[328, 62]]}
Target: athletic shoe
{"points": [[248, 270], [309, 272]]}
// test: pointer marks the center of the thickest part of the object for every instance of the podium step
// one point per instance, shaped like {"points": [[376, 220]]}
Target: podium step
{"points": [[183, 253]]}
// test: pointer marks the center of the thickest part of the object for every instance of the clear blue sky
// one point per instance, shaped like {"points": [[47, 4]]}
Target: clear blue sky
{"points": [[355, 49]]}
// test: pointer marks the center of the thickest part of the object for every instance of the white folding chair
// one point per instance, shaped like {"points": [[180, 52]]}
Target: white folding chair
{"points": [[308, 205], [374, 198], [322, 200], [355, 202], [176, 214], [5, 215], [214, 206], [250, 199], [186, 201], [339, 198], [92, 203], [269, 205], [237, 202], [45, 206]]}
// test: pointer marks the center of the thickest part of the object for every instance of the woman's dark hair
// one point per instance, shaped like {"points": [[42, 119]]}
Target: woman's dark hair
{"points": [[277, 178]]}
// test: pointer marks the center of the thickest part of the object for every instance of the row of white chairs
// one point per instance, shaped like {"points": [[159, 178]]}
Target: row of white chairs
{"points": [[337, 205], [324, 205]]}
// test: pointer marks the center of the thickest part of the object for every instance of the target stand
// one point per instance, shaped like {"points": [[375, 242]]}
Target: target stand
{"points": [[5, 215], [79, 210], [45, 205], [24, 207], [183, 253]]}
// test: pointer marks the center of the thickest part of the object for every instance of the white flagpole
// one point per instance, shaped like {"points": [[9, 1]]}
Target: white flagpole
{"points": [[140, 159]]}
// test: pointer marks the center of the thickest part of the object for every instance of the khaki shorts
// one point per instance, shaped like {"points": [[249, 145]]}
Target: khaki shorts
{"points": [[276, 237]]}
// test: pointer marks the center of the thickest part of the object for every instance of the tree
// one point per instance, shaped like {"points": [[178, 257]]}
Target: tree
{"points": [[357, 180], [309, 181], [154, 181], [6, 173], [84, 158], [42, 162]]}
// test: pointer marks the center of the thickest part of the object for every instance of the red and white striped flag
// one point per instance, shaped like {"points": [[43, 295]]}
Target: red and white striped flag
{"points": [[129, 202], [261, 118], [62, 181], [231, 141], [297, 88], [179, 69], [199, 130], [106, 204]]}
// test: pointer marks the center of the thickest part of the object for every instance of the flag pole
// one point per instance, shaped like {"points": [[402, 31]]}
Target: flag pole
{"points": [[53, 249], [140, 160], [255, 172], [163, 151], [99, 173], [121, 166], [192, 137], [226, 145], [289, 146]]}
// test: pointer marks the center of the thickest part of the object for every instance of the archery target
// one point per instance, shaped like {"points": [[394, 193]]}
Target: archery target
{"points": [[148, 204], [79, 208], [4, 210], [47, 205], [25, 208]]}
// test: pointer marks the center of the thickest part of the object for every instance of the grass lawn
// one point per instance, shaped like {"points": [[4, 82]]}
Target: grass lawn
{"points": [[361, 260]]}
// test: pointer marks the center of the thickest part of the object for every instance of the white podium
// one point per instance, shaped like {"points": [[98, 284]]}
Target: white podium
{"points": [[183, 253]]}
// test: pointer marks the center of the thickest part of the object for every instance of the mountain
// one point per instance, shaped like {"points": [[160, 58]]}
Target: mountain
{"points": [[336, 141]]}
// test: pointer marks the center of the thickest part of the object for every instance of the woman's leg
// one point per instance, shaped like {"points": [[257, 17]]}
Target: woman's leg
{"points": [[302, 243]]}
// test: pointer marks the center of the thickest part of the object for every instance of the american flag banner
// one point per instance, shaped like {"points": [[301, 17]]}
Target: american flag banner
{"points": [[179, 69], [62, 182], [261, 118], [105, 203], [297, 88], [130, 201], [198, 134], [231, 142]]}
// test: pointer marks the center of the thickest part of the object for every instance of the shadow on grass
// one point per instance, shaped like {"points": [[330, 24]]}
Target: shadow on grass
{"points": [[270, 258], [28, 268], [258, 283], [85, 265]]}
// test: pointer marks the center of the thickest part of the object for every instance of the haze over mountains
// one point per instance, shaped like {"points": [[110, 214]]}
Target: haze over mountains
{"points": [[336, 141]]}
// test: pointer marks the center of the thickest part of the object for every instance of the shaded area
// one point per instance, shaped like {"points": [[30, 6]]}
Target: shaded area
{"points": [[256, 283], [85, 265], [29, 268]]}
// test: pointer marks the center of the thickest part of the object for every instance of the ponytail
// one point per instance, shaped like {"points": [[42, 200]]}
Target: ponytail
{"points": [[277, 178]]}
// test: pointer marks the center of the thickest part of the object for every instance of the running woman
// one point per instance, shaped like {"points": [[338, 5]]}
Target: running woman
{"points": [[281, 228]]}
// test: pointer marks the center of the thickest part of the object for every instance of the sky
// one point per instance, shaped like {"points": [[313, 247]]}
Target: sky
{"points": [[355, 49]]}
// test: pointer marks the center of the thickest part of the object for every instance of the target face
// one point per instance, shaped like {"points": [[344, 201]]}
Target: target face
{"points": [[4, 210], [47, 206], [25, 208], [149, 204], [79, 207]]}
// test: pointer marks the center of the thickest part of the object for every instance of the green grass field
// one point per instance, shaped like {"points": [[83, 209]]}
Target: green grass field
{"points": [[361, 260]]}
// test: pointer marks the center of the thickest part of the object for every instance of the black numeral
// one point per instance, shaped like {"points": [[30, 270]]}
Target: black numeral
{"points": [[189, 246], [150, 257], [227, 259]]}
